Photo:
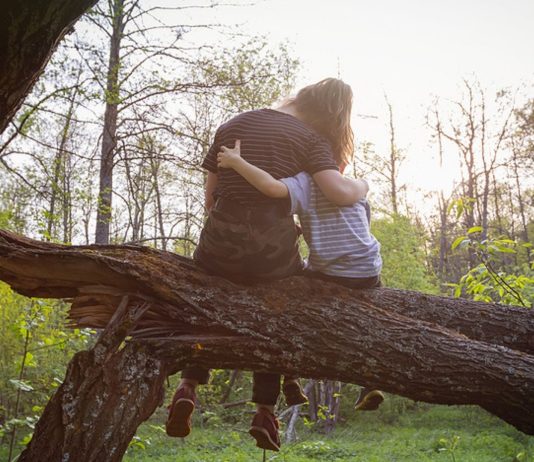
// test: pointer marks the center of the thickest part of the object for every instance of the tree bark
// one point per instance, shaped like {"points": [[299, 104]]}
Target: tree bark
{"points": [[109, 132], [106, 394], [29, 33], [235, 375], [427, 348], [394, 160]]}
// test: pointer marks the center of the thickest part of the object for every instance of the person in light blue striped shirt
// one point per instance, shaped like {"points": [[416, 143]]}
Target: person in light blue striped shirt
{"points": [[342, 248], [340, 242]]}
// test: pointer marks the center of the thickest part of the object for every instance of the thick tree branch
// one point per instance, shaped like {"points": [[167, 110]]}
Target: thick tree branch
{"points": [[29, 33]]}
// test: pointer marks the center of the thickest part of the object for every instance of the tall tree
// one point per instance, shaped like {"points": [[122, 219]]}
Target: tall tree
{"points": [[479, 142], [119, 17], [385, 166]]}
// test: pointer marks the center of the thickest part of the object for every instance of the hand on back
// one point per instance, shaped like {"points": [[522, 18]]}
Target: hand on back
{"points": [[229, 157]]}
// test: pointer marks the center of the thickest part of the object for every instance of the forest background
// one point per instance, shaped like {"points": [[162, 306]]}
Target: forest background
{"points": [[107, 149]]}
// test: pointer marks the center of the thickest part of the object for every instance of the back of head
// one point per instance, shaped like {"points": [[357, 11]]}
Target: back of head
{"points": [[326, 107]]}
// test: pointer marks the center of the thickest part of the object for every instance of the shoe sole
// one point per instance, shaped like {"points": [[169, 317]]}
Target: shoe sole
{"points": [[297, 401], [178, 422], [263, 439], [371, 402], [294, 396]]}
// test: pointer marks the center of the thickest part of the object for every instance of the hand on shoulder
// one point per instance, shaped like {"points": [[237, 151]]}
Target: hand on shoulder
{"points": [[229, 157]]}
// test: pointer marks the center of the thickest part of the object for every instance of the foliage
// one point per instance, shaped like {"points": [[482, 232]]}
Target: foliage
{"points": [[402, 254], [492, 280], [35, 347], [256, 74]]}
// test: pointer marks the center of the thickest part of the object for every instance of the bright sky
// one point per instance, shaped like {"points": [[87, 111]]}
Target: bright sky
{"points": [[410, 49]]}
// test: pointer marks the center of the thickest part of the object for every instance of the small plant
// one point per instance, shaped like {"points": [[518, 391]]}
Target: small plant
{"points": [[521, 457], [323, 451], [448, 446], [139, 444]]}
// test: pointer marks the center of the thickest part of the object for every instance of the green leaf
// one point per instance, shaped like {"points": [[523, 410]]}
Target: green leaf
{"points": [[503, 249], [458, 241], [29, 360], [474, 229], [20, 385]]}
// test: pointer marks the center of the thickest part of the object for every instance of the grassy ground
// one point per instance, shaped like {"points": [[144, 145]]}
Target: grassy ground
{"points": [[426, 433], [399, 432]]}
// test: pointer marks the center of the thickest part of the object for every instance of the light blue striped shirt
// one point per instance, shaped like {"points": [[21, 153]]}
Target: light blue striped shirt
{"points": [[339, 238]]}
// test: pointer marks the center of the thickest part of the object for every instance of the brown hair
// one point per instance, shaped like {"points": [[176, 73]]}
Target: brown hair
{"points": [[326, 107]]}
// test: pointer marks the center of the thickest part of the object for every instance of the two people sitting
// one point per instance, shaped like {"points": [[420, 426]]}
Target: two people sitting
{"points": [[264, 167]]}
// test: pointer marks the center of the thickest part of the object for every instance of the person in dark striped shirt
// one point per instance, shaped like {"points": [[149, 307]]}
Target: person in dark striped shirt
{"points": [[249, 236]]}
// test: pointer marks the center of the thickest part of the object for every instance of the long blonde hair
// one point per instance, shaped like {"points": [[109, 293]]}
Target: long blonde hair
{"points": [[326, 107]]}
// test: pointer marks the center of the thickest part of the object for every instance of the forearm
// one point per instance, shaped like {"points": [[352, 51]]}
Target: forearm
{"points": [[260, 179], [357, 189], [340, 190]]}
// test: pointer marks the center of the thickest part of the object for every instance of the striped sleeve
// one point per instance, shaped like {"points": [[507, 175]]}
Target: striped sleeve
{"points": [[320, 156], [299, 188]]}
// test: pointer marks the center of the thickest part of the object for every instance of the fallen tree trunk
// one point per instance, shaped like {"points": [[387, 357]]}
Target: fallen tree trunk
{"points": [[29, 33], [72, 271], [296, 326]]}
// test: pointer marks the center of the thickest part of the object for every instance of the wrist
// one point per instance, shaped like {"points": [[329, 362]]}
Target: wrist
{"points": [[237, 162]]}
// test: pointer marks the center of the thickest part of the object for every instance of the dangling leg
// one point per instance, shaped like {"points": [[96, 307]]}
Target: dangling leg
{"points": [[264, 427], [368, 400], [293, 392], [183, 402]]}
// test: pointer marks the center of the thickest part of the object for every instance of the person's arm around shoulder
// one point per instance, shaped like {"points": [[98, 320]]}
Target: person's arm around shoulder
{"points": [[340, 190], [260, 179]]}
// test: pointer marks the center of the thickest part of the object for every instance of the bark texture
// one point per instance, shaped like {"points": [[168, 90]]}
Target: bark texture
{"points": [[109, 132], [106, 394], [29, 33], [427, 348]]}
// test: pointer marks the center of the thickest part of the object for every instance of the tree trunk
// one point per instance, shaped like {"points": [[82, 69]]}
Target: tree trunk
{"points": [[103, 218], [393, 161], [330, 392], [60, 187], [443, 243], [154, 170], [106, 394], [312, 401], [401, 342], [29, 33], [520, 201], [233, 377]]}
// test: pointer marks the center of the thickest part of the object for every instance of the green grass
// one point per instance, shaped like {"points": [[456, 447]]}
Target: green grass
{"points": [[401, 431], [425, 433]]}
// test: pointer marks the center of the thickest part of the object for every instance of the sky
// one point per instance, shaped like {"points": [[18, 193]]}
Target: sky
{"points": [[410, 50]]}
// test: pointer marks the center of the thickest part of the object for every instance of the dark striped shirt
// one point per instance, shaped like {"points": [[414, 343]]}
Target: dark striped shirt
{"points": [[273, 141]]}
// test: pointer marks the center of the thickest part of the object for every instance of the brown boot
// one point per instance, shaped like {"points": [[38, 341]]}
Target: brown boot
{"points": [[368, 400], [293, 393], [182, 406], [264, 429]]}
